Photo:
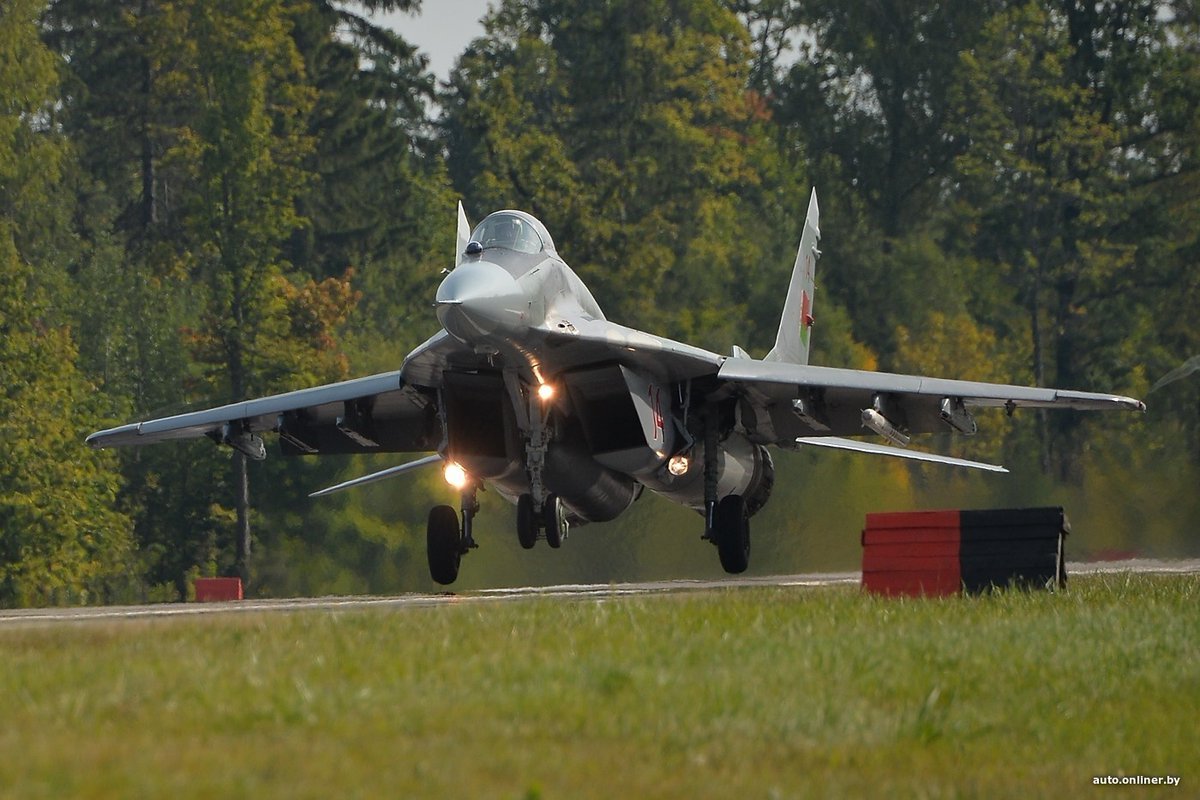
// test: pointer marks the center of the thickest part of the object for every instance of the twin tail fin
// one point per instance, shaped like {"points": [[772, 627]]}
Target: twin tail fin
{"points": [[795, 327]]}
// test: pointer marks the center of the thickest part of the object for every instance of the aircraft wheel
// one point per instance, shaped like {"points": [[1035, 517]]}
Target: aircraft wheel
{"points": [[552, 518], [443, 544], [732, 532], [527, 527]]}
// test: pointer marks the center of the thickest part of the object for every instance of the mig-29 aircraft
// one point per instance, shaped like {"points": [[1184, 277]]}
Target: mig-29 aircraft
{"points": [[530, 389]]}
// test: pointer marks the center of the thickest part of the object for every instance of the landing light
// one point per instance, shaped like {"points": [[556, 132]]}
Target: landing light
{"points": [[678, 465], [545, 392], [455, 475]]}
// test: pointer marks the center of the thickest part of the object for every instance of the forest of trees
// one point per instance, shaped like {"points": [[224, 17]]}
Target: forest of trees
{"points": [[207, 200]]}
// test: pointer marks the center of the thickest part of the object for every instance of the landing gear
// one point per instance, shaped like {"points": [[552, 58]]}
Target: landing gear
{"points": [[538, 510], [447, 541], [527, 523], [731, 532], [443, 544], [552, 520], [726, 521]]}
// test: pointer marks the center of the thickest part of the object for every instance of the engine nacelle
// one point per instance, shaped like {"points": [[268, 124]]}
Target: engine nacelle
{"points": [[592, 491], [743, 468]]}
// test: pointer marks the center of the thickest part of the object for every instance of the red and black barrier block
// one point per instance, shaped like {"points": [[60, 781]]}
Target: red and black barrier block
{"points": [[947, 552], [217, 590]]}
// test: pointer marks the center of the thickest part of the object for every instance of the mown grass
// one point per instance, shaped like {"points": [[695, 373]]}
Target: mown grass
{"points": [[746, 693]]}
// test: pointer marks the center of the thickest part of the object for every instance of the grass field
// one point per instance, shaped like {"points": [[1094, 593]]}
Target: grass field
{"points": [[740, 693]]}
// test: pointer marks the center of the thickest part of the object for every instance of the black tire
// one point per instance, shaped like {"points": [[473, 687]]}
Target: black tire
{"points": [[443, 544], [552, 521], [732, 532], [527, 527]]}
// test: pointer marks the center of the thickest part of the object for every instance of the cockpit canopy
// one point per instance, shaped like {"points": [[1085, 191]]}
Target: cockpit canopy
{"points": [[513, 230]]}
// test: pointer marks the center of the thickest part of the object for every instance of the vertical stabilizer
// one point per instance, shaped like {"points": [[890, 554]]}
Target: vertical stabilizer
{"points": [[791, 343], [464, 235]]}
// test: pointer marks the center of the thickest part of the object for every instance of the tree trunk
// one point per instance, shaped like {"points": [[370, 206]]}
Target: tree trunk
{"points": [[149, 184], [241, 473], [242, 491], [1039, 374]]}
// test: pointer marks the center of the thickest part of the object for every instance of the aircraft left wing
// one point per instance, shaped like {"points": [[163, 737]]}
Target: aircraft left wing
{"points": [[788, 401], [380, 413]]}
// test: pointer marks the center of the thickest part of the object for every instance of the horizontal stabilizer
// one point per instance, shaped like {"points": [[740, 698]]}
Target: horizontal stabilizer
{"points": [[838, 443], [383, 474]]}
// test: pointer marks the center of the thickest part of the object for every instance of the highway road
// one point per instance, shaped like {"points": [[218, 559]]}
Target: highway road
{"points": [[35, 616]]}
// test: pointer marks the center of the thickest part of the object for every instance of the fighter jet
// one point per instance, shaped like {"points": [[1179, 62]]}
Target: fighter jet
{"points": [[529, 389]]}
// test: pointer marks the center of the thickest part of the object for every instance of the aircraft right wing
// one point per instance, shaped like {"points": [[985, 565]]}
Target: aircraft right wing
{"points": [[392, 412], [789, 401], [379, 413]]}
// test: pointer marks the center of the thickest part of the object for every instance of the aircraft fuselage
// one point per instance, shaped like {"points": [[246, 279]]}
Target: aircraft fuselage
{"points": [[608, 429]]}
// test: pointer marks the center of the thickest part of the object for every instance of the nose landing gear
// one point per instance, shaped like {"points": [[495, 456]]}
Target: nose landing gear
{"points": [[540, 513], [527, 522], [550, 523]]}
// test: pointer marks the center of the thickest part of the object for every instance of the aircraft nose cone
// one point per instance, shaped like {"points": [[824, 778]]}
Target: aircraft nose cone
{"points": [[478, 298]]}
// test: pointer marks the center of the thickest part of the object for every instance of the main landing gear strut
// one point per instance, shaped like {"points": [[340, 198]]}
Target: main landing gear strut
{"points": [[447, 541], [726, 521]]}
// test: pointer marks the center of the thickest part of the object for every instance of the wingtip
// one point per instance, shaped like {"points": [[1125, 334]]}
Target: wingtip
{"points": [[1132, 403], [98, 440]]}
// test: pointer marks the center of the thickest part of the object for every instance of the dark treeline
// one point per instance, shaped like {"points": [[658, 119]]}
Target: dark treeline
{"points": [[206, 200]]}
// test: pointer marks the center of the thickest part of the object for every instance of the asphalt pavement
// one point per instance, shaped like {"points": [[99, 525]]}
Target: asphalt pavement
{"points": [[34, 616]]}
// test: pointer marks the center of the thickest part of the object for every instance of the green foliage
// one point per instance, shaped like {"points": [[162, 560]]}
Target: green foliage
{"points": [[61, 539], [370, 140], [1045, 189], [30, 158], [647, 106], [870, 89], [216, 199], [242, 151]]}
